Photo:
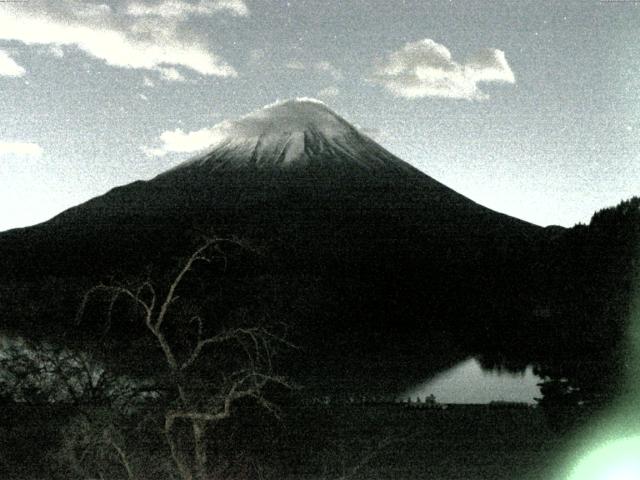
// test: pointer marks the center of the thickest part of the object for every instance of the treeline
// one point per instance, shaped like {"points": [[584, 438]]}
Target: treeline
{"points": [[592, 276]]}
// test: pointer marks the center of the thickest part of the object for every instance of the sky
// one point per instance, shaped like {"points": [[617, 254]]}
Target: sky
{"points": [[531, 108]]}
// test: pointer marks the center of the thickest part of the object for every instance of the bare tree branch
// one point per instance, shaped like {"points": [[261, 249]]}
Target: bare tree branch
{"points": [[200, 409], [198, 255]]}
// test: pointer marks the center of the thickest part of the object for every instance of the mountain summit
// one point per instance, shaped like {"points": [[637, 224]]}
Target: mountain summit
{"points": [[293, 134]]}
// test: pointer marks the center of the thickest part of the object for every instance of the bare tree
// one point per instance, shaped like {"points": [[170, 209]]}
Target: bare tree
{"points": [[46, 373], [198, 403], [42, 375], [96, 445]]}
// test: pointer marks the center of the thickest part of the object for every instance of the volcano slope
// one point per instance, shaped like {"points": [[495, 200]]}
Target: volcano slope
{"points": [[363, 255]]}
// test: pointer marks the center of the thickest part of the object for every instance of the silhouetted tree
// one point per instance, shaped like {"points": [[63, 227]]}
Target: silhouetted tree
{"points": [[203, 378], [592, 273]]}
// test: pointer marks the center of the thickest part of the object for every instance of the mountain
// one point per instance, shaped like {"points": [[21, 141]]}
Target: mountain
{"points": [[278, 174], [294, 134], [359, 248]]}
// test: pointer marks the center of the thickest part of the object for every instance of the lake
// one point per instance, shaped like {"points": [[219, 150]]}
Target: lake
{"points": [[468, 382]]}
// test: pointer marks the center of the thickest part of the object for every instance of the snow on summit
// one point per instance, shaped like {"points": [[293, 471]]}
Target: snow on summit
{"points": [[287, 117], [300, 132]]}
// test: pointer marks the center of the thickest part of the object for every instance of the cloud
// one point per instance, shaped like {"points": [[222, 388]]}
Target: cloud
{"points": [[295, 65], [371, 132], [425, 69], [179, 141], [376, 134], [9, 67], [264, 121], [181, 8], [171, 74], [331, 91], [20, 148], [329, 68], [321, 66], [56, 51], [148, 42]]}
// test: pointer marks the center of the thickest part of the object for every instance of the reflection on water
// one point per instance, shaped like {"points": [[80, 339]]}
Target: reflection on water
{"points": [[468, 382]]}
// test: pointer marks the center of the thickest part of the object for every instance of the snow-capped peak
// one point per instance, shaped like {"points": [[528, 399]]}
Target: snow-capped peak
{"points": [[298, 132], [282, 118]]}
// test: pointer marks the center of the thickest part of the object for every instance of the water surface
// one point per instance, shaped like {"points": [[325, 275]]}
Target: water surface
{"points": [[468, 382]]}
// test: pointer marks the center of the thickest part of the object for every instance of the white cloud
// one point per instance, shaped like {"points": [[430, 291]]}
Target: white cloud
{"points": [[89, 9], [9, 67], [295, 65], [56, 51], [171, 74], [328, 68], [179, 141], [274, 119], [181, 8], [426, 69], [489, 65], [377, 134], [116, 37], [321, 67], [20, 148], [332, 91], [370, 132]]}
